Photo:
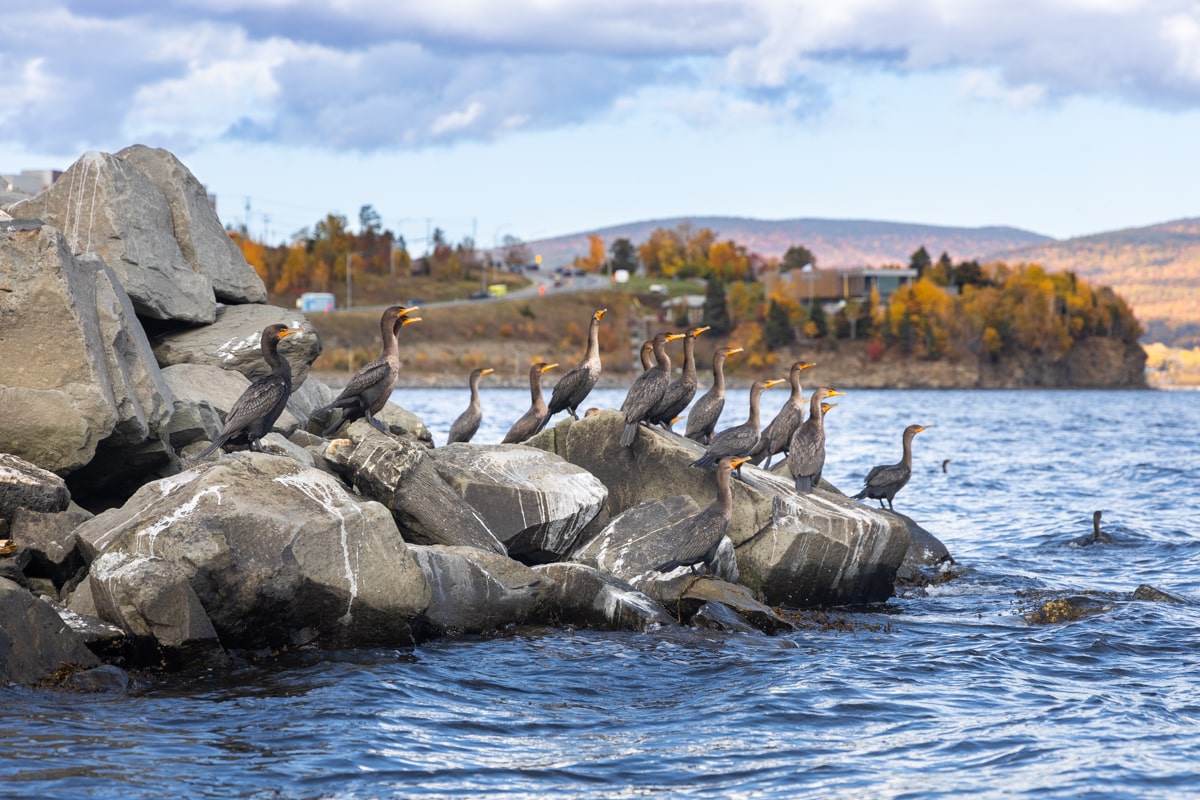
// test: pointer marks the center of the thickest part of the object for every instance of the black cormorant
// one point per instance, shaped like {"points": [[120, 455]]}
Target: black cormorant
{"points": [[647, 354], [255, 411], [702, 532], [468, 421], [806, 453], [884, 481], [739, 440], [681, 390], [777, 436], [371, 387], [573, 388], [702, 419], [527, 425], [647, 389]]}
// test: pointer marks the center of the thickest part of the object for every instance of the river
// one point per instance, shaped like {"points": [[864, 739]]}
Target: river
{"points": [[947, 691]]}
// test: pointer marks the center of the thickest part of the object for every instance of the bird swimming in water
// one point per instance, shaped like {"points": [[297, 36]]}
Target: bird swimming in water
{"points": [[1097, 536], [468, 421], [703, 531], [368, 391], [884, 481], [702, 419], [647, 389], [806, 453], [740, 440], [573, 388], [681, 390], [527, 425], [255, 411], [777, 436]]}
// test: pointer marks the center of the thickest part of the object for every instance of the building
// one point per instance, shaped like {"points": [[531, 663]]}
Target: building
{"points": [[854, 283], [29, 181]]}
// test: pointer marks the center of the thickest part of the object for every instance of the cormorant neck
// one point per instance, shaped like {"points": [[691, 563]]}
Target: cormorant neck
{"points": [[279, 365], [535, 384], [593, 345], [689, 354], [719, 374], [755, 394], [664, 360], [724, 500], [797, 392]]}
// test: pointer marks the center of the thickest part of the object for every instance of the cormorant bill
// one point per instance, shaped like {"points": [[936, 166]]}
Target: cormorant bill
{"points": [[368, 391], [701, 533], [647, 389], [573, 388], [740, 440], [680, 391], [702, 419], [806, 453], [777, 436], [255, 411], [468, 421], [884, 481], [527, 425]]}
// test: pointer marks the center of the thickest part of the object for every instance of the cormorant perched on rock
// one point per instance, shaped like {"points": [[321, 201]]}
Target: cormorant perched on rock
{"points": [[739, 440], [702, 419], [573, 388], [704, 530], [777, 436], [647, 354], [647, 388], [806, 453], [256, 410], [884, 481], [527, 425], [468, 421], [681, 390], [368, 391]]}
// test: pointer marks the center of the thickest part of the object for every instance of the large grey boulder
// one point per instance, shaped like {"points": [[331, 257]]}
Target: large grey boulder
{"points": [[252, 551], [107, 206], [792, 549], [34, 642], [400, 474], [588, 598], [206, 246], [234, 342], [25, 485], [474, 591], [203, 395], [534, 502], [76, 370], [50, 537]]}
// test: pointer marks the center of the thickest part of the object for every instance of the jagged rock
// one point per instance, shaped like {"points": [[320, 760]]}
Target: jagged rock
{"points": [[104, 639], [1068, 608], [234, 342], [203, 396], [25, 485], [534, 502], [720, 617], [797, 550], [587, 598], [107, 206], [474, 591], [1149, 593], [924, 550], [687, 594], [50, 537], [315, 394], [107, 678], [252, 551], [641, 538], [34, 642], [203, 241], [400, 474]]}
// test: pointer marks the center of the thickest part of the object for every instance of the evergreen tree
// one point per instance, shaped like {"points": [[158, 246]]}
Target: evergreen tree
{"points": [[716, 310], [797, 257], [624, 255], [920, 261], [778, 330], [816, 315]]}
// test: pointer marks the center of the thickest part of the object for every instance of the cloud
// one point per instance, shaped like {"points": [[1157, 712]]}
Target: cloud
{"points": [[378, 75]]}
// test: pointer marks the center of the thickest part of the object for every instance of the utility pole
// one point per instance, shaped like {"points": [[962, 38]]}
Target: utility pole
{"points": [[349, 287]]}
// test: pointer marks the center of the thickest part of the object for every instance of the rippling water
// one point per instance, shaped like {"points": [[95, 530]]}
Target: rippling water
{"points": [[946, 692]]}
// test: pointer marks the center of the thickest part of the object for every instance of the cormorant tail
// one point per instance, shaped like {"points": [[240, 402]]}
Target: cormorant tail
{"points": [[629, 434], [705, 461], [804, 484]]}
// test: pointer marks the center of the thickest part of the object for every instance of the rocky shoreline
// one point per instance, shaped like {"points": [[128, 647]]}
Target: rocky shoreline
{"points": [[130, 327]]}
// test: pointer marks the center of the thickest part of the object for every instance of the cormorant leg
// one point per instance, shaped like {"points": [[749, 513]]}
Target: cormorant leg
{"points": [[574, 416], [768, 464], [376, 424]]}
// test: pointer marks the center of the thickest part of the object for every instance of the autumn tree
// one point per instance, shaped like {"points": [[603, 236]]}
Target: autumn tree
{"points": [[662, 253], [797, 257]]}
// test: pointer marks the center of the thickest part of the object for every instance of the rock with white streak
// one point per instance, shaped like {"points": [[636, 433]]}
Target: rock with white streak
{"points": [[588, 598], [474, 591], [252, 551], [25, 485], [533, 501]]}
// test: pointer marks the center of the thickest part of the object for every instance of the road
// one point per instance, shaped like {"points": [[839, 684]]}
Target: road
{"points": [[539, 280]]}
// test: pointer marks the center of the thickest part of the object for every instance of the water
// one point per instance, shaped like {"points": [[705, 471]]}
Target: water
{"points": [[947, 692]]}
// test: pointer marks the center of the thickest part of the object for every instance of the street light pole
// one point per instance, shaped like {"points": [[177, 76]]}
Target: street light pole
{"points": [[349, 287]]}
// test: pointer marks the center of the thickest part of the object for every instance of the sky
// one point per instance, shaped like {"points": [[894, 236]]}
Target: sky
{"points": [[538, 118]]}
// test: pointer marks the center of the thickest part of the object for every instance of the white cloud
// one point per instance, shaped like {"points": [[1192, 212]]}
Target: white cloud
{"points": [[457, 120]]}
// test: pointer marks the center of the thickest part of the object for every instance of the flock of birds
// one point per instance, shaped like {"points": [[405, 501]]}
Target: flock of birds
{"points": [[654, 399]]}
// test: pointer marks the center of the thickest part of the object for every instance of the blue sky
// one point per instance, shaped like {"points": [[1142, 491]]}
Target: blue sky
{"points": [[535, 118]]}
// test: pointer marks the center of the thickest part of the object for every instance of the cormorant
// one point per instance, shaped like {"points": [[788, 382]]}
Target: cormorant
{"points": [[527, 425], [704, 530], [647, 354], [702, 419], [468, 421], [573, 388], [255, 411], [884, 481], [368, 391], [647, 389], [681, 390], [739, 440], [806, 453], [1097, 536], [777, 436]]}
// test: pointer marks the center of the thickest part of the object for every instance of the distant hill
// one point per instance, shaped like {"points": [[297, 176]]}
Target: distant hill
{"points": [[835, 242], [1155, 268]]}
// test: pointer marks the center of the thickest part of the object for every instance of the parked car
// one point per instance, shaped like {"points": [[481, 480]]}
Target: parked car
{"points": [[481, 294]]}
